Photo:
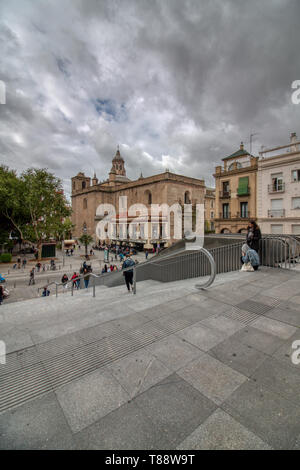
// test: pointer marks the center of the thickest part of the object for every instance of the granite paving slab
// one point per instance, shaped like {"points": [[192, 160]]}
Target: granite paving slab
{"points": [[89, 398], [240, 357], [221, 432], [211, 377], [38, 424], [270, 416], [175, 408]]}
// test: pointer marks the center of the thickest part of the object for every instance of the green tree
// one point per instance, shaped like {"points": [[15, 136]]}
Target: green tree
{"points": [[46, 204], [86, 239], [13, 211], [33, 204]]}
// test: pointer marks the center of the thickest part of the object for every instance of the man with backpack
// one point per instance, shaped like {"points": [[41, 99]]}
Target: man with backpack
{"points": [[128, 274]]}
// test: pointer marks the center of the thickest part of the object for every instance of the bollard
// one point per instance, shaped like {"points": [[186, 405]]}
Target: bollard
{"points": [[94, 290], [56, 290]]}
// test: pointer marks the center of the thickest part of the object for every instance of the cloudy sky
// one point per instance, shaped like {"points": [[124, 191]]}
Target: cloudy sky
{"points": [[176, 83]]}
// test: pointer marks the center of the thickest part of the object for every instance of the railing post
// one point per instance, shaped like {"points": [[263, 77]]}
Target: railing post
{"points": [[134, 280], [72, 289], [56, 290], [94, 290]]}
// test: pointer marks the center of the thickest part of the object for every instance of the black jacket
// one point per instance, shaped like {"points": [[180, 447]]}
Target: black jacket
{"points": [[253, 237]]}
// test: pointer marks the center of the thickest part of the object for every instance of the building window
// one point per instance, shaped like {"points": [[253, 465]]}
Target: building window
{"points": [[276, 229], [85, 203], [211, 204], [211, 215], [295, 202], [187, 198], [231, 167], [83, 185], [296, 229], [225, 188], [244, 210], [295, 175], [74, 184], [226, 211], [277, 182], [243, 189], [148, 197]]}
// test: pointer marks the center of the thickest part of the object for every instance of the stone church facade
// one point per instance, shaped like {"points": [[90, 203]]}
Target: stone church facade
{"points": [[165, 188]]}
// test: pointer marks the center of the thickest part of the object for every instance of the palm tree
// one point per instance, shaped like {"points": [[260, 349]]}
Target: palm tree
{"points": [[86, 239]]}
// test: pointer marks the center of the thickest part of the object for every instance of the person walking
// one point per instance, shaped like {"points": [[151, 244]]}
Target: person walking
{"points": [[64, 281], [128, 274], [74, 280], [31, 277], [146, 254], [253, 236], [86, 274]]}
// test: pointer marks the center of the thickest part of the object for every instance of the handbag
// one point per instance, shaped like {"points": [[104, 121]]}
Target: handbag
{"points": [[247, 267]]}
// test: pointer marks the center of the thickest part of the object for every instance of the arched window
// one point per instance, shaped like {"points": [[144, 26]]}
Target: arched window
{"points": [[85, 203], [74, 184], [187, 199], [83, 185], [238, 165]]}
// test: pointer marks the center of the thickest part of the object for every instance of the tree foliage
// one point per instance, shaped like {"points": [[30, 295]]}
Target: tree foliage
{"points": [[33, 204]]}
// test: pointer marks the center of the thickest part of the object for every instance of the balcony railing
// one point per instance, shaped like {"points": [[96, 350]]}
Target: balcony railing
{"points": [[276, 213], [276, 188], [225, 215], [225, 194], [243, 192], [243, 215]]}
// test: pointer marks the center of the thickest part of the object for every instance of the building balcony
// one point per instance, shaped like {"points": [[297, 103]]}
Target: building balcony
{"points": [[243, 192], [243, 215], [225, 216], [225, 194], [276, 188], [276, 213]]}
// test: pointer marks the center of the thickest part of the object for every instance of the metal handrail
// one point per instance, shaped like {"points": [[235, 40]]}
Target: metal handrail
{"points": [[137, 266]]}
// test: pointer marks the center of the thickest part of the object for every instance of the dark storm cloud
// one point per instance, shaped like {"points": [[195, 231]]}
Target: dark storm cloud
{"points": [[176, 83]]}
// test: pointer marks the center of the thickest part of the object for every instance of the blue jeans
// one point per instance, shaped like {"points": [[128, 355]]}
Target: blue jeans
{"points": [[86, 283]]}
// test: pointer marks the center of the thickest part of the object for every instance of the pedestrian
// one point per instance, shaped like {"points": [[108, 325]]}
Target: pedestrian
{"points": [[31, 277], [45, 292], [250, 259], [19, 263], [74, 277], [146, 254], [128, 274], [64, 281], [86, 277], [253, 236], [24, 262], [1, 294]]}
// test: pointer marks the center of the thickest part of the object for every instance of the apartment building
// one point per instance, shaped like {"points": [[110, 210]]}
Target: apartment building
{"points": [[278, 188], [235, 192]]}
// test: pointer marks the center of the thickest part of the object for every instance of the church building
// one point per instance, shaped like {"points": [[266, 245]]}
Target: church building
{"points": [[165, 188]]}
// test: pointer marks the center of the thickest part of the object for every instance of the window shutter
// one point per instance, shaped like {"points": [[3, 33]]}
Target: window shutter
{"points": [[243, 185]]}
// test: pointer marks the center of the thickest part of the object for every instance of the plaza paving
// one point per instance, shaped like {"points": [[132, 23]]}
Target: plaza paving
{"points": [[170, 368]]}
